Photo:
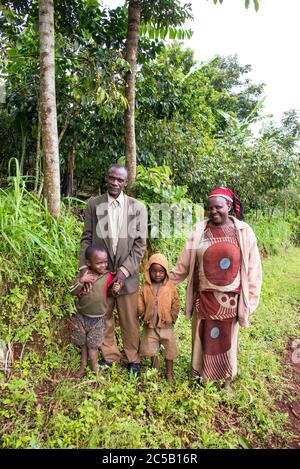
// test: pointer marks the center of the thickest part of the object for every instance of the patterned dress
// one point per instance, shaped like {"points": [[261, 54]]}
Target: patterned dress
{"points": [[215, 326]]}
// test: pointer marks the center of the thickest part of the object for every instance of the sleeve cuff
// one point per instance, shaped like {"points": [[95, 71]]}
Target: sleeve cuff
{"points": [[125, 271], [243, 322]]}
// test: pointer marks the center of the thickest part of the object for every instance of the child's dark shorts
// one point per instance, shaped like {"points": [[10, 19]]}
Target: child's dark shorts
{"points": [[88, 331]]}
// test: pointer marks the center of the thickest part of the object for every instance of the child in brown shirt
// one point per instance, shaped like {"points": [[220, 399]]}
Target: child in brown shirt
{"points": [[158, 306], [91, 290]]}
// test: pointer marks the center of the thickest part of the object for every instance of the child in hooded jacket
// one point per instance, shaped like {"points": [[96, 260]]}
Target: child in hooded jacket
{"points": [[158, 306]]}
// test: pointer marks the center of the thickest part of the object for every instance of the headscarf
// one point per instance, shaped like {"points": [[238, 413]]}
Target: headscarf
{"points": [[228, 194]]}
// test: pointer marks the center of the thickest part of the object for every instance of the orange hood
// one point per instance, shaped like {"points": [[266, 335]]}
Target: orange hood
{"points": [[157, 259]]}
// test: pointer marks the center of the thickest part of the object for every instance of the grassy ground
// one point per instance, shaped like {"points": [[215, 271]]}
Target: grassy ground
{"points": [[41, 406]]}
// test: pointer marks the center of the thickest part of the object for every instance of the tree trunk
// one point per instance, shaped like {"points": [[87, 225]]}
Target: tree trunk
{"points": [[48, 106], [23, 149], [134, 16], [38, 151], [65, 127], [68, 186]]}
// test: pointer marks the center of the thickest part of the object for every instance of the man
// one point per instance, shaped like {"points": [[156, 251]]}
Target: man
{"points": [[119, 224]]}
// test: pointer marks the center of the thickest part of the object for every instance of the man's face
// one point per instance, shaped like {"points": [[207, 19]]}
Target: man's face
{"points": [[116, 181]]}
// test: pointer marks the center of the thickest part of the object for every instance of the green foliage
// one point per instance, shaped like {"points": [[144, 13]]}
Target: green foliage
{"points": [[198, 120], [165, 13], [90, 70], [272, 233], [171, 213], [38, 257], [89, 84], [31, 238], [154, 185], [247, 3]]}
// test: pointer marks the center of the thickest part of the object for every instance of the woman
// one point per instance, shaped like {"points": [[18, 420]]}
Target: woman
{"points": [[222, 262]]}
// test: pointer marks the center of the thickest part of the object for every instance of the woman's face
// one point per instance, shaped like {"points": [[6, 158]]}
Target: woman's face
{"points": [[217, 210]]}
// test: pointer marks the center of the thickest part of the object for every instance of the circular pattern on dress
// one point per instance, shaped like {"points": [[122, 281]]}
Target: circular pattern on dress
{"points": [[215, 332], [221, 264], [224, 263]]}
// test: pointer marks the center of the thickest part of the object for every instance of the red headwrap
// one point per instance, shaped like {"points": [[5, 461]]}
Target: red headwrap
{"points": [[229, 195]]}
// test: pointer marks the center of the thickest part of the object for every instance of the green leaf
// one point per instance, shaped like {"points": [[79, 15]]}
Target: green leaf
{"points": [[11, 52], [92, 4], [101, 95], [256, 5], [172, 33], [244, 442], [247, 3]]}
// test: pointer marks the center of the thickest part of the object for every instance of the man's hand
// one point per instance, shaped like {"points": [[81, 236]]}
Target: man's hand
{"points": [[87, 279], [120, 278], [116, 288]]}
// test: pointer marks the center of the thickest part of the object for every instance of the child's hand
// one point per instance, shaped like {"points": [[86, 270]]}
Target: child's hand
{"points": [[116, 288]]}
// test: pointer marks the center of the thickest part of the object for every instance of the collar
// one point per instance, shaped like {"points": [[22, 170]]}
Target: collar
{"points": [[120, 199], [239, 224]]}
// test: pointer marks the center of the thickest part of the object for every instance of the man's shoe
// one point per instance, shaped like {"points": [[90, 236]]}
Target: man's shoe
{"points": [[135, 369], [105, 363]]}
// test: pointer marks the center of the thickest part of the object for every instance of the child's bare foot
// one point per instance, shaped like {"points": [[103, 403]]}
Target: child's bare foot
{"points": [[80, 374], [155, 363], [93, 354], [170, 378], [169, 371], [95, 370]]}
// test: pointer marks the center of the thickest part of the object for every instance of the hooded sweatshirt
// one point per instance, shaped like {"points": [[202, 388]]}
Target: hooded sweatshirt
{"points": [[165, 303]]}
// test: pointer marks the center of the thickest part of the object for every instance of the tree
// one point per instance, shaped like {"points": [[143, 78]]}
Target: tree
{"points": [[160, 14], [48, 106], [134, 17], [90, 71]]}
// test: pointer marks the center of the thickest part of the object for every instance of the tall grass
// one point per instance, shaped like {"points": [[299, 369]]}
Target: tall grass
{"points": [[273, 233], [32, 240]]}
